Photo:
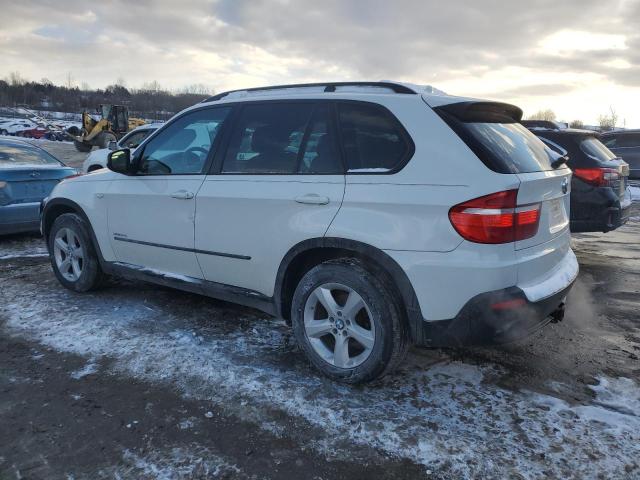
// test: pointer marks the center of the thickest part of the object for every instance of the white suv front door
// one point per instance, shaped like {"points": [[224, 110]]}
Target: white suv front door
{"points": [[151, 214], [281, 182]]}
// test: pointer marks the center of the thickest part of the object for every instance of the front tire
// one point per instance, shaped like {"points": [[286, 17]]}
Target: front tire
{"points": [[349, 322], [73, 255]]}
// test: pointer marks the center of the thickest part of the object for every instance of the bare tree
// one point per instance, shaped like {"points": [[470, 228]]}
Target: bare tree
{"points": [[608, 121], [197, 89], [70, 81], [547, 114], [577, 124], [15, 79]]}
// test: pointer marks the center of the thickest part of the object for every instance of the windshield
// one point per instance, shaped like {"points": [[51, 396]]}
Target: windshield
{"points": [[13, 156], [511, 147], [596, 149]]}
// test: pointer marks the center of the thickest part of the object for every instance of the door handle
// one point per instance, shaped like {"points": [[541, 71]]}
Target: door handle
{"points": [[182, 195], [312, 199]]}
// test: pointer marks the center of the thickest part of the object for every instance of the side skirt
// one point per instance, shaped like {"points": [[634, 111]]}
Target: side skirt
{"points": [[219, 291]]}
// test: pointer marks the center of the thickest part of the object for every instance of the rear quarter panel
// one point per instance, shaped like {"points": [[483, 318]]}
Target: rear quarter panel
{"points": [[408, 210]]}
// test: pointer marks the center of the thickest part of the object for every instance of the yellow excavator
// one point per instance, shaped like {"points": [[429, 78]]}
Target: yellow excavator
{"points": [[113, 124]]}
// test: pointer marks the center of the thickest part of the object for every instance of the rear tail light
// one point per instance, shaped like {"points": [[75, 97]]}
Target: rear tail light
{"points": [[495, 218], [600, 177]]}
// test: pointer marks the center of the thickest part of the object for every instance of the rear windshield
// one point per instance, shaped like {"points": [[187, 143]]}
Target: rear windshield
{"points": [[514, 148], [493, 133], [12, 156], [596, 149]]}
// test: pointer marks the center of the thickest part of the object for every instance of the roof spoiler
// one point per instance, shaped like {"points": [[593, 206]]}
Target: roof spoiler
{"points": [[482, 112]]}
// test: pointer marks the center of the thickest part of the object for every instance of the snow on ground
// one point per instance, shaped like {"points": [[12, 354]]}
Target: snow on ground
{"points": [[635, 193], [449, 416], [176, 463]]}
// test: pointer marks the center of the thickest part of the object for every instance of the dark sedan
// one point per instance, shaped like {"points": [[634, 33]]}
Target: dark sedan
{"points": [[27, 175], [600, 199]]}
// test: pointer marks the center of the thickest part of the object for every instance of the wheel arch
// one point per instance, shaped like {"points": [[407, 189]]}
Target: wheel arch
{"points": [[309, 253], [59, 206]]}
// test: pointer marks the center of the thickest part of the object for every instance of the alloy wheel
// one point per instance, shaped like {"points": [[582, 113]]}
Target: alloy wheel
{"points": [[68, 254], [339, 325]]}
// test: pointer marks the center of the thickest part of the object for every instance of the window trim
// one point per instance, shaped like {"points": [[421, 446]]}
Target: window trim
{"points": [[217, 142], [216, 166], [404, 160]]}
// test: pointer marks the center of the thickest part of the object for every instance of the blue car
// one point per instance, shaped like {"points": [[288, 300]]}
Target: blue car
{"points": [[27, 175]]}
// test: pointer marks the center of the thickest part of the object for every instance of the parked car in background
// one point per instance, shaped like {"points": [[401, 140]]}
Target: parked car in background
{"points": [[548, 124], [97, 159], [36, 132], [600, 197], [12, 128], [27, 175], [625, 144], [326, 205]]}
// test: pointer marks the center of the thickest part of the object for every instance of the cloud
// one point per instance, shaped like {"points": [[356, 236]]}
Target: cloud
{"points": [[233, 43]]}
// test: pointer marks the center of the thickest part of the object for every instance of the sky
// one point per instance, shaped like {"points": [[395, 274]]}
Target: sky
{"points": [[576, 57]]}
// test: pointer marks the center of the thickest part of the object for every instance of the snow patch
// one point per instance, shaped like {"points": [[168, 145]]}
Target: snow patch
{"points": [[446, 416], [89, 369], [635, 193], [178, 463]]}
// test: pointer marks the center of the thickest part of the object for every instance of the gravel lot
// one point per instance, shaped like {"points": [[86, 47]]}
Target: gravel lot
{"points": [[139, 381]]}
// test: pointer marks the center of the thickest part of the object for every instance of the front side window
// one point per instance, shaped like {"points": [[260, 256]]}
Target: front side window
{"points": [[267, 138], [182, 148], [372, 138]]}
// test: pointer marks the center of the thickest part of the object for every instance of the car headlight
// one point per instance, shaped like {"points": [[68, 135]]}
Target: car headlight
{"points": [[2, 185]]}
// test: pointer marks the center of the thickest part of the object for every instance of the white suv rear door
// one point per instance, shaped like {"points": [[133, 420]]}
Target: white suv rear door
{"points": [[280, 182], [151, 214]]}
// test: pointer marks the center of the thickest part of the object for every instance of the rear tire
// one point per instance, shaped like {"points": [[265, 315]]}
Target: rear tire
{"points": [[4, 132], [73, 256], [93, 168], [350, 345]]}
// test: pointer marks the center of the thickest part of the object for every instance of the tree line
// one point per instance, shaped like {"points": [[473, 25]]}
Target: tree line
{"points": [[150, 101], [607, 121]]}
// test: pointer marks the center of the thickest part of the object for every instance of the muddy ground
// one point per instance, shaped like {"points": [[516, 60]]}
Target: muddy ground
{"points": [[138, 381]]}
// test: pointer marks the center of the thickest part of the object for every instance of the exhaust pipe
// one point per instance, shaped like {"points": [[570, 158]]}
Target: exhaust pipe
{"points": [[558, 314]]}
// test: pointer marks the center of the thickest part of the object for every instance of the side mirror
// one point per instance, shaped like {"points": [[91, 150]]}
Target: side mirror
{"points": [[119, 161], [113, 145]]}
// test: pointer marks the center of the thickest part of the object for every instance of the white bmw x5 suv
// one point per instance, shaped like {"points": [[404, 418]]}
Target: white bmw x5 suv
{"points": [[371, 216]]}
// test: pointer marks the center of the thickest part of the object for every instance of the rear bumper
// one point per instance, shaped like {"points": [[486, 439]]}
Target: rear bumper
{"points": [[600, 210], [508, 314], [480, 322]]}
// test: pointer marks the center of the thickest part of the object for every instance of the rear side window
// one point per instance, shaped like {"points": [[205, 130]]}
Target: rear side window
{"points": [[492, 132], [373, 139], [267, 138], [596, 149], [629, 140]]}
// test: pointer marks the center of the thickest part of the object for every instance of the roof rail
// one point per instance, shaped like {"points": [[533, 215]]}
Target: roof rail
{"points": [[328, 87]]}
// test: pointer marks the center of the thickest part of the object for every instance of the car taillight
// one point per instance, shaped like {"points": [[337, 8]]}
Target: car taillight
{"points": [[495, 218], [600, 177]]}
